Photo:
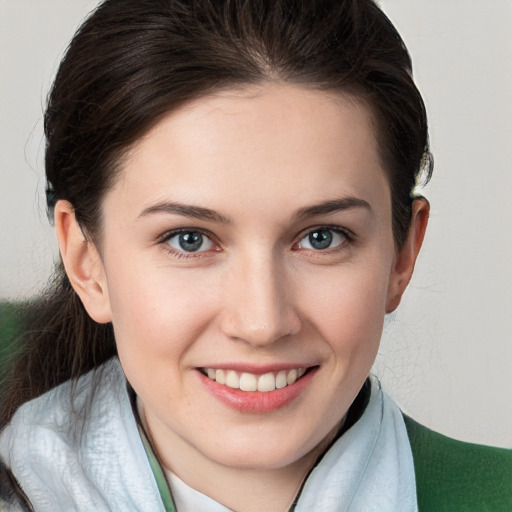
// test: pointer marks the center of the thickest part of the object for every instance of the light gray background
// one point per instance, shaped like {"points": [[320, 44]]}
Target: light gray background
{"points": [[447, 353]]}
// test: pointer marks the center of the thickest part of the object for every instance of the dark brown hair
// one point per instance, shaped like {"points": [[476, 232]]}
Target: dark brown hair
{"points": [[132, 61]]}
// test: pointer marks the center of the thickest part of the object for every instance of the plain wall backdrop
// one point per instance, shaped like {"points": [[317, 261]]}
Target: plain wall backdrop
{"points": [[446, 355]]}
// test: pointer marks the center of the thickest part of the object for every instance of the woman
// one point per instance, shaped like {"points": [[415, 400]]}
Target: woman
{"points": [[232, 185]]}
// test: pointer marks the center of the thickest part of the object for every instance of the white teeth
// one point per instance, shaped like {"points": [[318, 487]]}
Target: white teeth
{"points": [[267, 382], [291, 377], [281, 380], [220, 376], [250, 382], [232, 379]]}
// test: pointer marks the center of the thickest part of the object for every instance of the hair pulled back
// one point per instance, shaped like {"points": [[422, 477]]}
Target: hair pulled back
{"points": [[133, 61]]}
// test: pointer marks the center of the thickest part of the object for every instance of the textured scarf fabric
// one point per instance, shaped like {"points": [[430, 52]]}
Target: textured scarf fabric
{"points": [[369, 468], [88, 455], [84, 455]]}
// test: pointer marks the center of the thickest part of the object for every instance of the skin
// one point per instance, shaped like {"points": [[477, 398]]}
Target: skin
{"points": [[257, 292]]}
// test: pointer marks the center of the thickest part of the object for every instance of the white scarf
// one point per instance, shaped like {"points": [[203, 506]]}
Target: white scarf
{"points": [[97, 461], [369, 468]]}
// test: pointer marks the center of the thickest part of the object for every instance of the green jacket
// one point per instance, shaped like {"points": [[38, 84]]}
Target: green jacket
{"points": [[452, 476]]}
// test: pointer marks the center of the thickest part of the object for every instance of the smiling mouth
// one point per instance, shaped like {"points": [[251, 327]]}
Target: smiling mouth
{"points": [[251, 382]]}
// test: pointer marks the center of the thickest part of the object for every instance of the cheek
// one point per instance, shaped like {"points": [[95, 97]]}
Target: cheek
{"points": [[349, 308], [156, 311]]}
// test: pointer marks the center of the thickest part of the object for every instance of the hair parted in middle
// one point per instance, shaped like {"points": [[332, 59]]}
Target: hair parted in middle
{"points": [[133, 61]]}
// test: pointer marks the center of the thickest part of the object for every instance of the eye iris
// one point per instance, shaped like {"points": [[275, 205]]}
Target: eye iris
{"points": [[191, 241], [321, 239]]}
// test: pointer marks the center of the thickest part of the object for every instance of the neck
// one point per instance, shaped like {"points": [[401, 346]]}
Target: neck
{"points": [[246, 490]]}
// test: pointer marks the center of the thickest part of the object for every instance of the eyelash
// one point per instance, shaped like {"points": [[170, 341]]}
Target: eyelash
{"points": [[348, 236], [182, 254]]}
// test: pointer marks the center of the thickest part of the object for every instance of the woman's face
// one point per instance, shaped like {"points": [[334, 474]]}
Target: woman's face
{"points": [[248, 239]]}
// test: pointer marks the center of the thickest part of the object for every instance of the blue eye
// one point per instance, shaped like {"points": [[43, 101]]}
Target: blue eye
{"points": [[190, 241], [323, 238]]}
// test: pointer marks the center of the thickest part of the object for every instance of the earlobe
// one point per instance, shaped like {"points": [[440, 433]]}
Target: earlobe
{"points": [[407, 254], [83, 264]]}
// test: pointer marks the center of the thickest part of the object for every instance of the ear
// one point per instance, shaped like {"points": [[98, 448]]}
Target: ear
{"points": [[406, 256], [83, 264]]}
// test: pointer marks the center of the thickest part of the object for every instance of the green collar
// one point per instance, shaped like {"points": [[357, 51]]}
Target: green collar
{"points": [[161, 481]]}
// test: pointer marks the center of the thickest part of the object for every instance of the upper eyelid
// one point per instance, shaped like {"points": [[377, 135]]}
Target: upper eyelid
{"points": [[173, 232]]}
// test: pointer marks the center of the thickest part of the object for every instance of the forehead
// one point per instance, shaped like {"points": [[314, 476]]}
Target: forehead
{"points": [[257, 146]]}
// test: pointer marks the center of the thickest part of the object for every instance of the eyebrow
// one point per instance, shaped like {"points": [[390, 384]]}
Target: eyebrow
{"points": [[333, 206], [195, 212], [201, 213]]}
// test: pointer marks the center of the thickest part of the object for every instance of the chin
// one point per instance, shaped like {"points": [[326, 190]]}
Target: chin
{"points": [[258, 459], [267, 452]]}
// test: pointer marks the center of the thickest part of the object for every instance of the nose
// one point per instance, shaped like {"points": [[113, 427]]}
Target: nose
{"points": [[258, 306]]}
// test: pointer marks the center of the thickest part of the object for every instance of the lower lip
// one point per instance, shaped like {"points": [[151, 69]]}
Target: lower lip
{"points": [[257, 402]]}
